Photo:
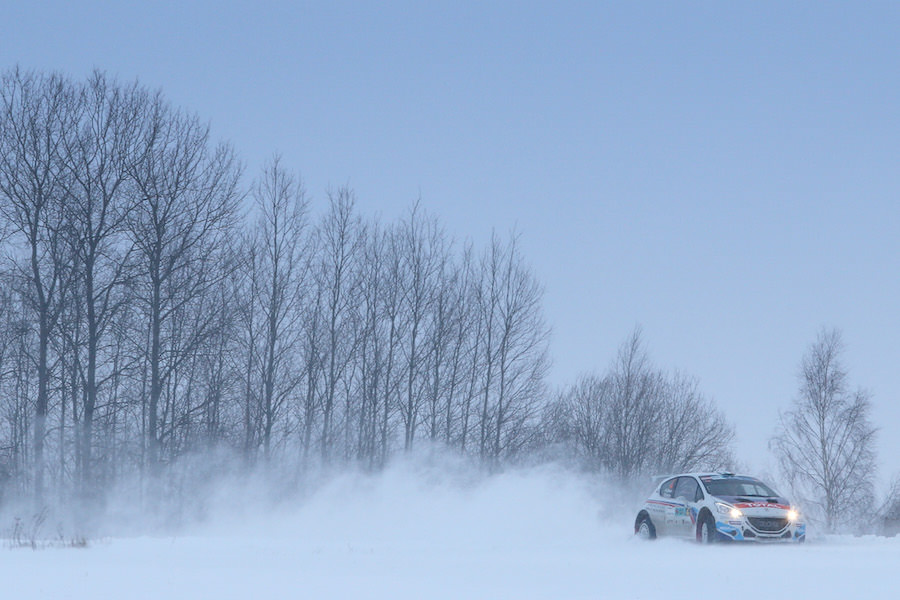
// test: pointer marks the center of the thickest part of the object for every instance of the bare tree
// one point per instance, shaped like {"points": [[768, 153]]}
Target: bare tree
{"points": [[825, 443], [445, 355], [475, 345], [36, 112], [340, 244], [584, 418], [515, 351], [372, 346], [100, 154], [246, 282], [694, 434], [282, 269], [421, 240], [634, 409], [461, 344], [395, 326], [314, 368], [638, 419], [184, 214], [17, 349], [888, 514]]}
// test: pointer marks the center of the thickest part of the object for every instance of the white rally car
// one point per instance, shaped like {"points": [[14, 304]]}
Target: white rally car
{"points": [[718, 507]]}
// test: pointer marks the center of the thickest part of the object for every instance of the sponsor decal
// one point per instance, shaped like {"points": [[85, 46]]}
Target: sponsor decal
{"points": [[761, 505], [660, 502], [726, 528]]}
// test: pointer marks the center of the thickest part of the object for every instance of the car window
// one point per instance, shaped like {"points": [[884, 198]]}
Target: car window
{"points": [[739, 486], [687, 488], [667, 489]]}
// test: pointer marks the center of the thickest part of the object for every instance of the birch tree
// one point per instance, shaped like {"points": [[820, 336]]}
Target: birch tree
{"points": [[825, 444]]}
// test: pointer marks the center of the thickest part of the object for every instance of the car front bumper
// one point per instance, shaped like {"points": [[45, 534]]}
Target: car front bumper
{"points": [[744, 530]]}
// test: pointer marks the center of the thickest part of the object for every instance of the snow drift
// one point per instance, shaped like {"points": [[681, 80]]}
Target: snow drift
{"points": [[417, 531]]}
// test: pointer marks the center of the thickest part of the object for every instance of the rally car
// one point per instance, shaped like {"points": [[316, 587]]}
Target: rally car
{"points": [[718, 507]]}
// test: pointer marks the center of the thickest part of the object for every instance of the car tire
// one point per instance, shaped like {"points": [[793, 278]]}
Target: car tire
{"points": [[706, 528], [644, 528]]}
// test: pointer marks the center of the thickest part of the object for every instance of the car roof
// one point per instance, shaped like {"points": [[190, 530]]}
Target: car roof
{"points": [[705, 475]]}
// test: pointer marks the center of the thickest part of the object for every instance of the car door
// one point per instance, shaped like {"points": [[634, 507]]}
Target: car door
{"points": [[665, 507], [688, 495]]}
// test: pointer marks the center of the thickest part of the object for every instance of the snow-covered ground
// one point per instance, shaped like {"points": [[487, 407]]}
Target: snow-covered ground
{"points": [[410, 534]]}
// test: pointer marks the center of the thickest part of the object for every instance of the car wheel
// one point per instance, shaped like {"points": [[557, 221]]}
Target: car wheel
{"points": [[643, 527], [706, 529]]}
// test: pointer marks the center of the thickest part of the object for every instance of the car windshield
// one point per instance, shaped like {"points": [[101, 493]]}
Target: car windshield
{"points": [[735, 486]]}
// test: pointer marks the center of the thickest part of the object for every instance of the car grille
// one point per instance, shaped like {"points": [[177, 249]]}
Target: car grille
{"points": [[767, 524]]}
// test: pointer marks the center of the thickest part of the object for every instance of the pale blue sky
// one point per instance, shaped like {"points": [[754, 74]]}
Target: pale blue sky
{"points": [[724, 175]]}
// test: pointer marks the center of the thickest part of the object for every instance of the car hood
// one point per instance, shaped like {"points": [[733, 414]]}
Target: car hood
{"points": [[743, 502]]}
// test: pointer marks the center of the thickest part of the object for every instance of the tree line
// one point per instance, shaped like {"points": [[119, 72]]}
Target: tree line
{"points": [[147, 314], [154, 304]]}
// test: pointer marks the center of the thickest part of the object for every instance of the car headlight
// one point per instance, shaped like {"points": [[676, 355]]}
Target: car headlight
{"points": [[793, 516], [727, 509]]}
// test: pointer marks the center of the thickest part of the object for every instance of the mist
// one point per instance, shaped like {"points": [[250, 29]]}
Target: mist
{"points": [[426, 526]]}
